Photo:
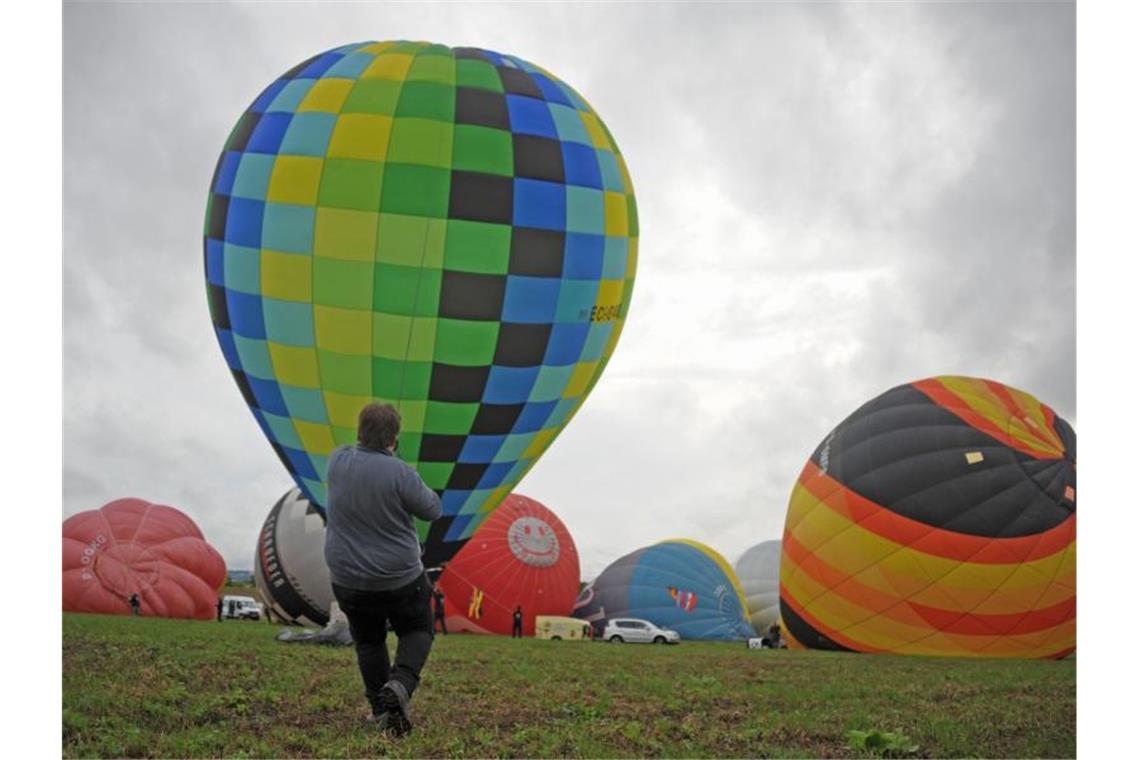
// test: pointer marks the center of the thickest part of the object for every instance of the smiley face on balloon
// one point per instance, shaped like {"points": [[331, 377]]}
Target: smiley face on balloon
{"points": [[533, 542], [453, 231]]}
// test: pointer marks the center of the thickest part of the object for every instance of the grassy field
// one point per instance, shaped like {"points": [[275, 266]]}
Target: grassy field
{"points": [[165, 688]]}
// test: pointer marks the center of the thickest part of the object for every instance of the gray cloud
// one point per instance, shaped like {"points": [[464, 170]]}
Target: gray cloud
{"points": [[834, 199]]}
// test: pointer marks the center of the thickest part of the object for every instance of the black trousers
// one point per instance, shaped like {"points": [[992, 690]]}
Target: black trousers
{"points": [[408, 611], [516, 630]]}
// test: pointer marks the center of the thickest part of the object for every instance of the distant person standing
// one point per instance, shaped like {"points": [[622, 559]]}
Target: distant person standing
{"points": [[373, 555], [219, 610], [774, 639], [136, 603], [440, 618], [516, 626]]}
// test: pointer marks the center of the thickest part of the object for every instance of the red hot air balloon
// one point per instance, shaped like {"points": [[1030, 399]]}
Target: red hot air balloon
{"points": [[522, 555], [131, 546]]}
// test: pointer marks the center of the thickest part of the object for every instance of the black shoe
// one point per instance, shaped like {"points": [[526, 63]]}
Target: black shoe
{"points": [[395, 717]]}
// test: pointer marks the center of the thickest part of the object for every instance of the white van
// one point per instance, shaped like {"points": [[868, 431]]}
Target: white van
{"points": [[557, 628], [241, 608]]}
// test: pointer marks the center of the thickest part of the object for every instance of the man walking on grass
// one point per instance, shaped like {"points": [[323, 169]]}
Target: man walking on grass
{"points": [[373, 554]]}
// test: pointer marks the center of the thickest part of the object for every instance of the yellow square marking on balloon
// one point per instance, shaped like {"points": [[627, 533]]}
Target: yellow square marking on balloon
{"points": [[286, 276], [617, 215], [403, 338], [595, 131], [344, 409], [361, 135], [295, 365], [345, 234], [295, 179], [346, 331], [542, 439], [316, 438], [579, 379], [326, 95], [610, 292], [376, 47], [392, 66], [974, 457]]}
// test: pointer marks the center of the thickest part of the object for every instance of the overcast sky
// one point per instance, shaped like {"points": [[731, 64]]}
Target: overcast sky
{"points": [[834, 199]]}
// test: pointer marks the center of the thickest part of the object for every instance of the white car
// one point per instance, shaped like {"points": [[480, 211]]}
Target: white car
{"points": [[620, 630], [241, 608]]}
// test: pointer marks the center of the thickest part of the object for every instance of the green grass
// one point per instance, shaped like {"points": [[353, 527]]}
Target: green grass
{"points": [[165, 688]]}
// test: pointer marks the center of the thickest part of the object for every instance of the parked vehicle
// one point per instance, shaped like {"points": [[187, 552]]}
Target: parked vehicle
{"points": [[557, 628], [241, 608], [635, 630]]}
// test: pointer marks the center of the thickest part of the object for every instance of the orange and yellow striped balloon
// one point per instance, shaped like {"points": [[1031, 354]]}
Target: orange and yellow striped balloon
{"points": [[938, 519]]}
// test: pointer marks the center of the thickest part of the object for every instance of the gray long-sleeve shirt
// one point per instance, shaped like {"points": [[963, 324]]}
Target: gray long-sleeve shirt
{"points": [[371, 542]]}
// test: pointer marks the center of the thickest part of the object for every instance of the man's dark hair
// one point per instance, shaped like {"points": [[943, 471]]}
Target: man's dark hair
{"points": [[378, 426]]}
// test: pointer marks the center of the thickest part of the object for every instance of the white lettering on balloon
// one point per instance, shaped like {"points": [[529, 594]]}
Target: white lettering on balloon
{"points": [[88, 558]]}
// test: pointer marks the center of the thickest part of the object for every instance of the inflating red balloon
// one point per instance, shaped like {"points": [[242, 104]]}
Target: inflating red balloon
{"points": [[131, 546], [522, 555]]}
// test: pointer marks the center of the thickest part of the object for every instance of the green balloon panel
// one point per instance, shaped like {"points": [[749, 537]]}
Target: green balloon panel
{"points": [[451, 230]]}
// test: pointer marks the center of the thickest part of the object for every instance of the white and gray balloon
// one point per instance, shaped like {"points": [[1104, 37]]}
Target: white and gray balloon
{"points": [[289, 567], [759, 572]]}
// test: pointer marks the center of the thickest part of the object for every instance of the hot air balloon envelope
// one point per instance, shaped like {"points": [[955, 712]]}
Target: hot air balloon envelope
{"points": [[938, 519], [759, 572], [680, 585], [522, 555], [131, 546], [452, 231], [290, 569]]}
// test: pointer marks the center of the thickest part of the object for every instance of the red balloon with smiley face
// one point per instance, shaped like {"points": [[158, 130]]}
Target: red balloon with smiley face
{"points": [[521, 556]]}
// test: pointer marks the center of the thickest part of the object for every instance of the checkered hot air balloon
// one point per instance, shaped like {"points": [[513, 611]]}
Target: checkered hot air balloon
{"points": [[940, 519], [453, 231]]}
